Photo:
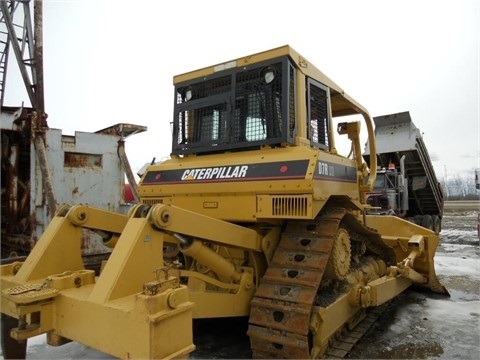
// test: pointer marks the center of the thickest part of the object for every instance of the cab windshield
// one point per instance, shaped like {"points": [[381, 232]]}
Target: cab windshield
{"points": [[235, 109]]}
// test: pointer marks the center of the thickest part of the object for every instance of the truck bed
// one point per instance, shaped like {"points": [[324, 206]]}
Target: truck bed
{"points": [[396, 135]]}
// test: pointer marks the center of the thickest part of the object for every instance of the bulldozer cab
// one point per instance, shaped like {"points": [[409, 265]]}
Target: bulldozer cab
{"points": [[277, 117], [254, 102], [234, 111]]}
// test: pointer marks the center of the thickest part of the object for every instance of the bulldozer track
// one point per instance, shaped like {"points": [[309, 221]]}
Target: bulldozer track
{"points": [[347, 338], [281, 308], [280, 312]]}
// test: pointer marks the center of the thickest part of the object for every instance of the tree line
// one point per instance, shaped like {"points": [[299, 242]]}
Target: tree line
{"points": [[460, 188]]}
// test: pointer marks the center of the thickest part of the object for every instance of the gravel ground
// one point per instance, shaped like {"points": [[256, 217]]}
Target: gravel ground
{"points": [[418, 324]]}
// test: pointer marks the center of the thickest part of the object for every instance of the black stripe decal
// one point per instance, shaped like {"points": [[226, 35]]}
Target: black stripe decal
{"points": [[284, 170], [335, 172]]}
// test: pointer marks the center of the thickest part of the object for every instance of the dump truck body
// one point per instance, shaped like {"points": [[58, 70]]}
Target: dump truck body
{"points": [[406, 181]]}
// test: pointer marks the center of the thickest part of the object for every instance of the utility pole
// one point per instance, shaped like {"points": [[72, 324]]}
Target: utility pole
{"points": [[26, 41]]}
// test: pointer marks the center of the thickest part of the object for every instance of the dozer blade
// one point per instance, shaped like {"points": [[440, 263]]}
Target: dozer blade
{"points": [[433, 282], [414, 247]]}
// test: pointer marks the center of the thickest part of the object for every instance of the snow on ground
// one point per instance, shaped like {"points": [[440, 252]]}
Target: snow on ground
{"points": [[458, 259], [418, 325], [423, 325], [38, 349]]}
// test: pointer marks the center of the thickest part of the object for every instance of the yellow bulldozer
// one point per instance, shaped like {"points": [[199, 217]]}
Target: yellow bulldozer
{"points": [[255, 214]]}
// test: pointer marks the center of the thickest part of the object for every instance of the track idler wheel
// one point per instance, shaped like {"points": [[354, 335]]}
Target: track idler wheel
{"points": [[427, 222], [11, 348], [338, 265], [437, 224]]}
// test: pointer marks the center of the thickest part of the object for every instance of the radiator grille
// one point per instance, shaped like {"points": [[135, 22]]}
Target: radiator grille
{"points": [[152, 201], [289, 206]]}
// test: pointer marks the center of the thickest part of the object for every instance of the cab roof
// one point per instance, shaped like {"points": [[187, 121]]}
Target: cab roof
{"points": [[342, 104]]}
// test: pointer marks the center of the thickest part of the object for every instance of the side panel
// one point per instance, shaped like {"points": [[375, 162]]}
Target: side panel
{"points": [[86, 169], [335, 175], [279, 183]]}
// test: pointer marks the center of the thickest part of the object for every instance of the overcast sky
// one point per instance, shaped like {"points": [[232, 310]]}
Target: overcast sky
{"points": [[107, 62]]}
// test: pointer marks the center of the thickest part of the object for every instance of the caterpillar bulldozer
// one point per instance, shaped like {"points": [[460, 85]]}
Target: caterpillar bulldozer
{"points": [[255, 214]]}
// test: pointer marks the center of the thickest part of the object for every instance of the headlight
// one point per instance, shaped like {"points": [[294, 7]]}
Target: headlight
{"points": [[187, 93], [268, 74]]}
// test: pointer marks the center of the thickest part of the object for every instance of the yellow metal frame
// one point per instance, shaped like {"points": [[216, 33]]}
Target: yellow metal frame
{"points": [[137, 307], [116, 312], [341, 103]]}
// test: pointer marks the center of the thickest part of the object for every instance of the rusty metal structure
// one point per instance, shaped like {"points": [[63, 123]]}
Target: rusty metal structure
{"points": [[42, 168]]}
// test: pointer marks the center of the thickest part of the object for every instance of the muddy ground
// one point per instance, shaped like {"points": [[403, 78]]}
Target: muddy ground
{"points": [[417, 325], [422, 325]]}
